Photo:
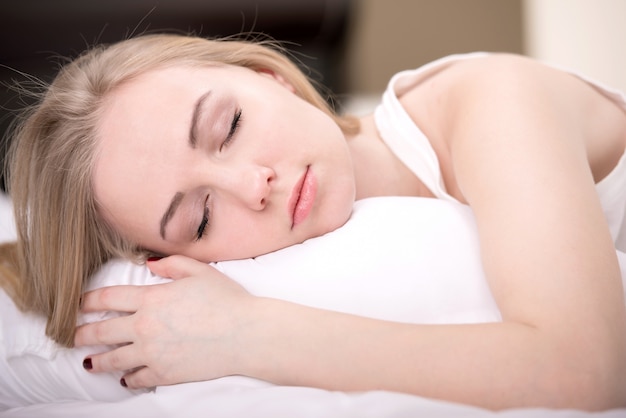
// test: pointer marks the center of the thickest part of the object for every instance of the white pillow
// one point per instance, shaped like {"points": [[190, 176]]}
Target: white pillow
{"points": [[404, 259], [399, 258]]}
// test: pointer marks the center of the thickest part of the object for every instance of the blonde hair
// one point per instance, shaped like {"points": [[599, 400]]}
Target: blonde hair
{"points": [[62, 240]]}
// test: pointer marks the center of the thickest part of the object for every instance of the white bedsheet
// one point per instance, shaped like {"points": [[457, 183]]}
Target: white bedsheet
{"points": [[237, 397]]}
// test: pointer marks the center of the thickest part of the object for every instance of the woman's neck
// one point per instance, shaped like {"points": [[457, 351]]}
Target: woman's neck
{"points": [[378, 172]]}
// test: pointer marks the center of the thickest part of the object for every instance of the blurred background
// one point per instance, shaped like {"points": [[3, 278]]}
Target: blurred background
{"points": [[352, 47]]}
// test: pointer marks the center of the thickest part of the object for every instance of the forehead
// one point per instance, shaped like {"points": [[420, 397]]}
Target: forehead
{"points": [[176, 79], [170, 90], [159, 104], [144, 107], [142, 122], [160, 82]]}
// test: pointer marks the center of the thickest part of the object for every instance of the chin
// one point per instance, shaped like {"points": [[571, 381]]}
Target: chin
{"points": [[341, 216]]}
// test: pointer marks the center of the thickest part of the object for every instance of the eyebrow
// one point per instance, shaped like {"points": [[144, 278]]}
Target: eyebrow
{"points": [[197, 112], [171, 210]]}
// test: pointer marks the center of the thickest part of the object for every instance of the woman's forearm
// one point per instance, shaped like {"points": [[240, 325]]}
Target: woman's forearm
{"points": [[499, 365], [573, 360]]}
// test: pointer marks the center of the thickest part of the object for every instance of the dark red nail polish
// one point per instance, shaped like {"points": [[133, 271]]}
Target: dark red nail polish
{"points": [[123, 382], [154, 258], [87, 365]]}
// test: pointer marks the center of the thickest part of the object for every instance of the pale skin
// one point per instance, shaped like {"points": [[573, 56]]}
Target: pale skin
{"points": [[520, 143]]}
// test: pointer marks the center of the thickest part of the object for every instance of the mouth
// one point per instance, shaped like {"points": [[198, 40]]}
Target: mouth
{"points": [[302, 197]]}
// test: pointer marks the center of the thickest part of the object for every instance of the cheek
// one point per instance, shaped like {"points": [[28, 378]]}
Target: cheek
{"points": [[239, 233], [342, 201]]}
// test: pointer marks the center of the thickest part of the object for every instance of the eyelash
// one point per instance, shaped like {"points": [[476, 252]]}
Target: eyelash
{"points": [[233, 129], [203, 224], [202, 228]]}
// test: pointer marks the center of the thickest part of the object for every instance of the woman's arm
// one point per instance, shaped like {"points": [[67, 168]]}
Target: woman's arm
{"points": [[517, 147], [201, 328], [519, 136]]}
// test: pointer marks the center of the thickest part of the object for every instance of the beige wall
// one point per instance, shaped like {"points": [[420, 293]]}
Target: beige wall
{"points": [[587, 35], [387, 36]]}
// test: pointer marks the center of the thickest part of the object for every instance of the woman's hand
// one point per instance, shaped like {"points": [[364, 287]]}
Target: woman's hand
{"points": [[186, 330]]}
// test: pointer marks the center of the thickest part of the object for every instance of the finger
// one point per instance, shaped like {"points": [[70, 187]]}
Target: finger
{"points": [[177, 267], [123, 359], [113, 298], [107, 332], [141, 378]]}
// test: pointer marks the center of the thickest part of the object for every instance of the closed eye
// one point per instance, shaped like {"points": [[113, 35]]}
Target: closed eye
{"points": [[236, 122], [203, 224]]}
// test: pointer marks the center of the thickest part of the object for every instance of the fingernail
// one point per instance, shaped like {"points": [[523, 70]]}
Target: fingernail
{"points": [[154, 258], [123, 382], [87, 364]]}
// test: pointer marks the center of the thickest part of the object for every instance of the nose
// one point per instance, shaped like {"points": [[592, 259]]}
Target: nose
{"points": [[253, 185]]}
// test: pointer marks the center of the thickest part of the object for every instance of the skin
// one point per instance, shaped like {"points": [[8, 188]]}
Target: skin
{"points": [[522, 145]]}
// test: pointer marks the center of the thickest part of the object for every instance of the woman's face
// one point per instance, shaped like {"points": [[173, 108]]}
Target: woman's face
{"points": [[219, 163]]}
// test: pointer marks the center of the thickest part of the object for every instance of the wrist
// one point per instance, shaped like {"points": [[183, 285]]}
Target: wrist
{"points": [[269, 332]]}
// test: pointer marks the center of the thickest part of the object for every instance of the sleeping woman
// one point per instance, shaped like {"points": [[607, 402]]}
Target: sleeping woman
{"points": [[211, 150]]}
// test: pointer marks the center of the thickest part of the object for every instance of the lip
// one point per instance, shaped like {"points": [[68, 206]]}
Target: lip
{"points": [[302, 197]]}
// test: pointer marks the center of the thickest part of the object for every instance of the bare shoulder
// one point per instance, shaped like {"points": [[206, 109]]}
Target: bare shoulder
{"points": [[496, 67], [520, 88], [487, 84], [510, 94], [519, 79], [472, 95], [508, 77]]}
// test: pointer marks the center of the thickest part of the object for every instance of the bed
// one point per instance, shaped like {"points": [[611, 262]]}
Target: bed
{"points": [[419, 265]]}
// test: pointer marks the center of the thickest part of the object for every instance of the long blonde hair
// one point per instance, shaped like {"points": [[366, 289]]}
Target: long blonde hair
{"points": [[61, 238]]}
